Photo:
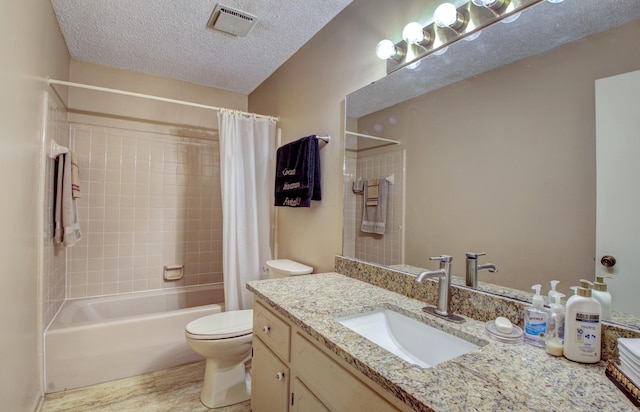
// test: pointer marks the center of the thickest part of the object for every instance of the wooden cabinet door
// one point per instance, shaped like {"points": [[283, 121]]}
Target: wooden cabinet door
{"points": [[269, 380], [303, 400], [334, 386]]}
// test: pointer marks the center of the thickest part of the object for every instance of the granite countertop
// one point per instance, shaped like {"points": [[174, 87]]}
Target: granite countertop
{"points": [[498, 376]]}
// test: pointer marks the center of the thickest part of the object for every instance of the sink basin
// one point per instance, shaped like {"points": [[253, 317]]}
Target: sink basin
{"points": [[411, 340]]}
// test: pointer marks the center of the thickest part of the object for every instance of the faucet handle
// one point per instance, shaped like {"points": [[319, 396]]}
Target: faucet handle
{"points": [[475, 255], [442, 258]]}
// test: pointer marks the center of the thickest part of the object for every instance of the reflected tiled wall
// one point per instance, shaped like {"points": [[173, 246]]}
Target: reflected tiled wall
{"points": [[349, 213], [54, 257], [382, 249], [148, 200]]}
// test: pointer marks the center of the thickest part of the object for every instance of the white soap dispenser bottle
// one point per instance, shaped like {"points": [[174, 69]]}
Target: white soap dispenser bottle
{"points": [[602, 295], [552, 291], [554, 339], [535, 320], [582, 329]]}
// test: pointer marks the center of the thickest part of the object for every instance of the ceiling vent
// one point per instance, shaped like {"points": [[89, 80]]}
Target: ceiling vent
{"points": [[229, 20]]}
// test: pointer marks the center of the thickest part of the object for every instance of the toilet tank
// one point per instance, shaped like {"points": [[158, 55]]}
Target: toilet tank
{"points": [[280, 268]]}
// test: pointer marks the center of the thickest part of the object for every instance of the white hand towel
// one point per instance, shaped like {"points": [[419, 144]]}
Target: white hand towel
{"points": [[67, 226]]}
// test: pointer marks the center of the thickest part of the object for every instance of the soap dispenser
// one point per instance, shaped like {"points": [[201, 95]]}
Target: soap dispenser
{"points": [[603, 296], [582, 337], [554, 339], [535, 320], [552, 291]]}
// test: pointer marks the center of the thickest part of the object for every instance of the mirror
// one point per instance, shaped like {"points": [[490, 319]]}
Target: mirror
{"points": [[497, 149]]}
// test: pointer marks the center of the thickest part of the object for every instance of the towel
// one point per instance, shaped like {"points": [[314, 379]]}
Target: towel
{"points": [[372, 192], [298, 173], [374, 217], [67, 226], [75, 177]]}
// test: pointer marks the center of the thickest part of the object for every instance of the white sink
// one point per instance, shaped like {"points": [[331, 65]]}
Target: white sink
{"points": [[411, 340]]}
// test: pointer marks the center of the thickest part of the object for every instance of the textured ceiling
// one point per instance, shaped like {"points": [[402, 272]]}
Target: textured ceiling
{"points": [[169, 38]]}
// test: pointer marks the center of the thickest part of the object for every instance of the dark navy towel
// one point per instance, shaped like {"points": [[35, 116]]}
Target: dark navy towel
{"points": [[298, 173]]}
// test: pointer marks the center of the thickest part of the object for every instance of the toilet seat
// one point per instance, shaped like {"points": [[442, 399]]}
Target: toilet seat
{"points": [[222, 325]]}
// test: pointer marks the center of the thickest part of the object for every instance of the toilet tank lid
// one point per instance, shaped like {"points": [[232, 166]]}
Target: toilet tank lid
{"points": [[289, 267]]}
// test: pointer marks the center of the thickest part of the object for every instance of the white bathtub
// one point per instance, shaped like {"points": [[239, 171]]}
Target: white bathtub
{"points": [[96, 340]]}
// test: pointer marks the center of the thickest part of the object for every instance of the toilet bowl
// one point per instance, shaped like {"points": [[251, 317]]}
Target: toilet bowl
{"points": [[224, 339]]}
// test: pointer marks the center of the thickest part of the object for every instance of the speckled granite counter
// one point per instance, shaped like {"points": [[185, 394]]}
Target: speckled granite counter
{"points": [[497, 376]]}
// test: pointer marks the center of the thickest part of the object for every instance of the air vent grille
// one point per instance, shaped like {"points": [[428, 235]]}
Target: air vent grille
{"points": [[231, 21]]}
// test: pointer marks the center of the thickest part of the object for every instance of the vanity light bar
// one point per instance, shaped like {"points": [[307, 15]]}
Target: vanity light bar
{"points": [[449, 25]]}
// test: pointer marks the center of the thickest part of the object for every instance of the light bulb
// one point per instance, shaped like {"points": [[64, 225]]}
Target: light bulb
{"points": [[511, 18], [413, 33], [486, 3], [413, 65], [473, 36], [445, 15], [385, 49], [441, 51]]}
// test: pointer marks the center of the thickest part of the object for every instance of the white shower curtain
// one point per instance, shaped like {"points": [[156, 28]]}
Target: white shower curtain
{"points": [[247, 151]]}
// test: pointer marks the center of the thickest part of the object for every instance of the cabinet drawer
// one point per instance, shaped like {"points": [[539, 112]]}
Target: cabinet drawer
{"points": [[273, 331], [334, 385]]}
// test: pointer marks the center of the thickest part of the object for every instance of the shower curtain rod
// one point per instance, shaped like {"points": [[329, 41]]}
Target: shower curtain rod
{"points": [[151, 97]]}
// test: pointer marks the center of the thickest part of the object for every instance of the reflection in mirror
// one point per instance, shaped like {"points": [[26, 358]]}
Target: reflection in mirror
{"points": [[502, 162]]}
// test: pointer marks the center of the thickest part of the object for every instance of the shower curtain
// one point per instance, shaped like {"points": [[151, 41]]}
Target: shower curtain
{"points": [[247, 151]]}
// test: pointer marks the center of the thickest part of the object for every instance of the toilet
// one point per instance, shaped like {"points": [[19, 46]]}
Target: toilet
{"points": [[224, 339]]}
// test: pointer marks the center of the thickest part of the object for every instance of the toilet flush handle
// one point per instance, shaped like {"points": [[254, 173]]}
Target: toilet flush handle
{"points": [[266, 329]]}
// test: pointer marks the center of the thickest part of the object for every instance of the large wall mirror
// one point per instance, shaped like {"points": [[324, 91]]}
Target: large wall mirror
{"points": [[496, 152]]}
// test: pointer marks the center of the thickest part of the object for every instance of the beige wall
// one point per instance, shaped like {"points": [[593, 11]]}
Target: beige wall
{"points": [[91, 107], [504, 163], [308, 92], [32, 48]]}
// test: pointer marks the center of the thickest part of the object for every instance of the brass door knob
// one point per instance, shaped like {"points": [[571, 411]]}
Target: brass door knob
{"points": [[608, 261]]}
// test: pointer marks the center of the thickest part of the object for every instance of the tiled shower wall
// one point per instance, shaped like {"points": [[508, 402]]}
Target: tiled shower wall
{"points": [[148, 200], [54, 257], [383, 249]]}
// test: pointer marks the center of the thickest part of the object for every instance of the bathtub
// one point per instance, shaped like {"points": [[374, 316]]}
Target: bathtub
{"points": [[94, 340]]}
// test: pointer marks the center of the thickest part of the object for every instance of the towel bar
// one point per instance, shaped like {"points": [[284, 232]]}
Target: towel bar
{"points": [[55, 149]]}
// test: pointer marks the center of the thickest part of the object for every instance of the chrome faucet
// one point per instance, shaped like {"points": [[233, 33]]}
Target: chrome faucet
{"points": [[473, 268], [443, 275]]}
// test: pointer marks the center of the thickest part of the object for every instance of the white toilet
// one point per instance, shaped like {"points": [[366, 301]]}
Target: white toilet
{"points": [[224, 339]]}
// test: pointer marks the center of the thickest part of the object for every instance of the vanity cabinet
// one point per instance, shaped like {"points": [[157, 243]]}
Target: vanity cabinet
{"points": [[291, 372]]}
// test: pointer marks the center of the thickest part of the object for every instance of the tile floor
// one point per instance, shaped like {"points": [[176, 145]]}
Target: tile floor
{"points": [[175, 390]]}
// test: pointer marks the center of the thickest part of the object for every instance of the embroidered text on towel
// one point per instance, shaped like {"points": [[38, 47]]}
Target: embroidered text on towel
{"points": [[291, 186]]}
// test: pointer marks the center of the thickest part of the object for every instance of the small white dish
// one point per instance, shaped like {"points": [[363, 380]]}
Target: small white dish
{"points": [[514, 337]]}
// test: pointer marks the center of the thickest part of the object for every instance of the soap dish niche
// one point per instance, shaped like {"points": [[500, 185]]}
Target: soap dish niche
{"points": [[173, 272]]}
